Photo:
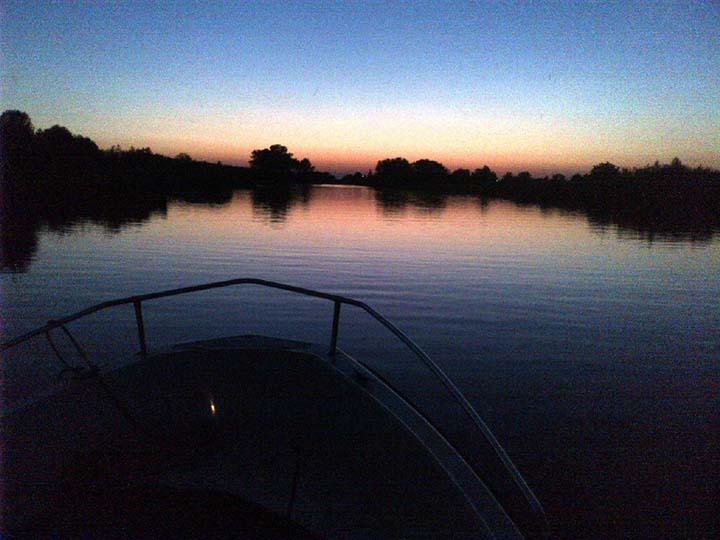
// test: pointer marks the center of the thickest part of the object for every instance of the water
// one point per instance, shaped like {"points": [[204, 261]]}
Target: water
{"points": [[591, 351]]}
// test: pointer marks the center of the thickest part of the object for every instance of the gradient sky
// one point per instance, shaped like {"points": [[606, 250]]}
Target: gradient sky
{"points": [[543, 86]]}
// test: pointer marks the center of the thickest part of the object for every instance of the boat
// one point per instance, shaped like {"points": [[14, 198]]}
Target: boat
{"points": [[250, 436]]}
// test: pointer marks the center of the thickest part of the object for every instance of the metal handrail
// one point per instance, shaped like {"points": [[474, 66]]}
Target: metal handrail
{"points": [[338, 301], [424, 418]]}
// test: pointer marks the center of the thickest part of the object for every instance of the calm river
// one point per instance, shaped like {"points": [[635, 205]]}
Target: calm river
{"points": [[592, 352]]}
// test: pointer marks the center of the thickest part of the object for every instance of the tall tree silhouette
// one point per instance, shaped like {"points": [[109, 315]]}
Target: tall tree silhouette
{"points": [[274, 159], [275, 164], [16, 140]]}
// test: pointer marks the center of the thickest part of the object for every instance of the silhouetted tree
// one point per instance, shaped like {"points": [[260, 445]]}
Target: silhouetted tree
{"points": [[429, 172], [55, 138], [182, 156], [275, 159], [524, 176], [58, 144], [16, 141], [19, 221], [460, 177], [603, 186], [146, 151], [484, 178], [604, 173], [277, 164], [304, 170], [305, 167], [393, 172], [16, 125]]}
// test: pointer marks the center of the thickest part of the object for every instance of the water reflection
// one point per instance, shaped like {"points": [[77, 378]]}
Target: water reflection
{"points": [[562, 336], [273, 203], [677, 226], [211, 199], [483, 203], [18, 236], [394, 202], [431, 202], [22, 217]]}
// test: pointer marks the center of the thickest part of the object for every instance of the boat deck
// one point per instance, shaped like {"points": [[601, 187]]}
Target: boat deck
{"points": [[267, 422]]}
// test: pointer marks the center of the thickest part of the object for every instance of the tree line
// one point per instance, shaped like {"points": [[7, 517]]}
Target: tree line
{"points": [[671, 195], [55, 160], [52, 177], [605, 183], [54, 164]]}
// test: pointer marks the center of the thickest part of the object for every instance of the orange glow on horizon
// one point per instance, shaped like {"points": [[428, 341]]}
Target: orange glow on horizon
{"points": [[339, 142], [340, 162]]}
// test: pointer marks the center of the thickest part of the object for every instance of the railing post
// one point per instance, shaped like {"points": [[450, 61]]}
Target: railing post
{"points": [[336, 323], [140, 327]]}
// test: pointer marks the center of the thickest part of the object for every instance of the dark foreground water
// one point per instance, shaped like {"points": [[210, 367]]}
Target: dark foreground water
{"points": [[593, 352]]}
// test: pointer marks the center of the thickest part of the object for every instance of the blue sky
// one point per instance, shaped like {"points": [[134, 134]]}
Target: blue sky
{"points": [[544, 86]]}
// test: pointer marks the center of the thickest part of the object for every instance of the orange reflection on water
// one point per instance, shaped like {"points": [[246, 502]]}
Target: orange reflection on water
{"points": [[343, 220]]}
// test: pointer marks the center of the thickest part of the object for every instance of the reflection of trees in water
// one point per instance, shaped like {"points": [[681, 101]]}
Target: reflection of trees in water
{"points": [[392, 202], [483, 203], [664, 223], [677, 224], [273, 203], [113, 214], [430, 201], [694, 223], [215, 198], [23, 213], [650, 226], [18, 234]]}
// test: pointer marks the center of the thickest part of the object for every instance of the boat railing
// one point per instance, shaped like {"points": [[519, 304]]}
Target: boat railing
{"points": [[444, 379]]}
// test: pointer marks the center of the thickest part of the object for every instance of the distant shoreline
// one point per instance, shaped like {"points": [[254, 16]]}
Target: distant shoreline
{"points": [[50, 169]]}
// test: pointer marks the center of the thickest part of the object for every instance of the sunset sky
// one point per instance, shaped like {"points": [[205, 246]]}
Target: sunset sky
{"points": [[539, 86]]}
